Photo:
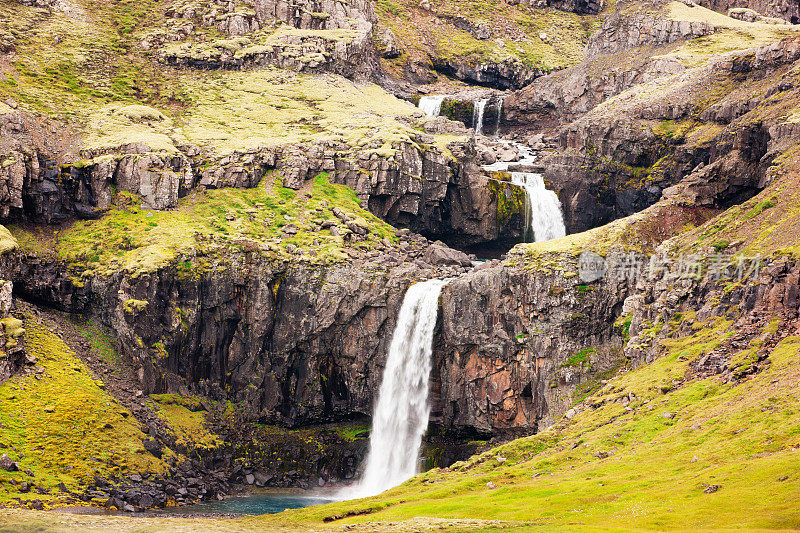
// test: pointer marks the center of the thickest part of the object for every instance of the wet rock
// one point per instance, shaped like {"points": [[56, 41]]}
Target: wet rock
{"points": [[153, 447]]}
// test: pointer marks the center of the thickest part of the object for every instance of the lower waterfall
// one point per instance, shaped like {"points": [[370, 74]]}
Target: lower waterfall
{"points": [[401, 414]]}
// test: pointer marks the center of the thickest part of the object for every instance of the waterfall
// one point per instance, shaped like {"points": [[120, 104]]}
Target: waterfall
{"points": [[499, 116], [544, 220], [477, 116], [401, 414], [431, 105]]}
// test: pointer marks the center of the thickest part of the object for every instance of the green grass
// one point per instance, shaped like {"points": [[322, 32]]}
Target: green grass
{"points": [[208, 225], [63, 427], [633, 469], [579, 359]]}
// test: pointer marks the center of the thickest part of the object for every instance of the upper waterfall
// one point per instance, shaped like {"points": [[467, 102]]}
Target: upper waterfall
{"points": [[543, 218], [431, 105], [477, 115]]}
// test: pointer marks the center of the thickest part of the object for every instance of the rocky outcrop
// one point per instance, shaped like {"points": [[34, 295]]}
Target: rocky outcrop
{"points": [[511, 74], [295, 342], [348, 55], [763, 293], [783, 9], [614, 159], [517, 342], [624, 31], [12, 335], [315, 14], [414, 185], [618, 56], [582, 7], [309, 36]]}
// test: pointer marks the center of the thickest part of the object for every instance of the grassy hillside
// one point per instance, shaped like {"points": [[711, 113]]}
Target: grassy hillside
{"points": [[544, 39], [208, 225], [62, 427]]}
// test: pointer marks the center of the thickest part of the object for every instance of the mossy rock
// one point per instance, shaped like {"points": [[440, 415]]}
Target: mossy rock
{"points": [[462, 111]]}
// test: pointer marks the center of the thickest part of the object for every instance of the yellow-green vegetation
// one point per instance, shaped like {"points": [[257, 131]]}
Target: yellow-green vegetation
{"points": [[542, 38], [101, 340], [13, 330], [510, 200], [731, 35], [85, 66], [265, 41], [62, 426], [134, 306], [210, 225], [7, 241], [580, 359], [118, 125], [249, 110], [704, 455], [78, 57], [271, 107], [639, 233], [766, 225], [187, 419]]}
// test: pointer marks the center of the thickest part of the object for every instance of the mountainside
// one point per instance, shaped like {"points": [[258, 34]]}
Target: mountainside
{"points": [[212, 211]]}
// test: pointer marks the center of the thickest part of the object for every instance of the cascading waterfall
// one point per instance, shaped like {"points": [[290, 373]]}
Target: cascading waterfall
{"points": [[431, 105], [543, 217], [543, 220], [499, 116], [401, 414], [477, 116]]}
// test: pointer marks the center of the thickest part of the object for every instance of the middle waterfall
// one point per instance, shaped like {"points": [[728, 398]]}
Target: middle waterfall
{"points": [[544, 219]]}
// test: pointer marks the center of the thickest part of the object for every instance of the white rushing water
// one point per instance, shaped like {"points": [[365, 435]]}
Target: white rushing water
{"points": [[499, 116], [401, 414], [477, 115], [544, 219], [431, 105]]}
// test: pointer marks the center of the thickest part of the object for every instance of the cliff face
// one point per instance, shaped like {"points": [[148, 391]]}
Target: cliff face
{"points": [[296, 343], [658, 115], [517, 343]]}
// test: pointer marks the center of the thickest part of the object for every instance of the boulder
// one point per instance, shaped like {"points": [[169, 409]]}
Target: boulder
{"points": [[440, 255], [7, 464]]}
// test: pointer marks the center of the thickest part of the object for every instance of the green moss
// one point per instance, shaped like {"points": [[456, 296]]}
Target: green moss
{"points": [[101, 340], [7, 241], [510, 200], [134, 306], [462, 111], [674, 130], [580, 358], [13, 330], [63, 427], [187, 420], [207, 227], [193, 403], [760, 207]]}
